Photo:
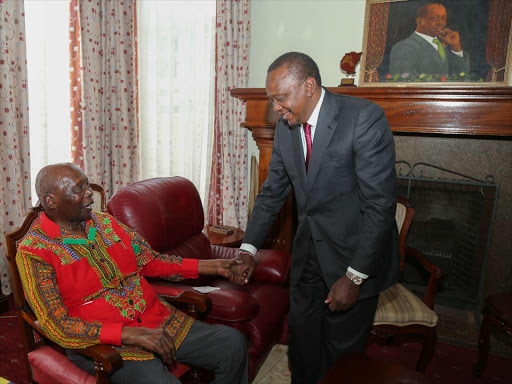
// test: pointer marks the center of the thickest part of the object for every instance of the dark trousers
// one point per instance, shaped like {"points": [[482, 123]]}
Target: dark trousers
{"points": [[215, 347], [318, 337]]}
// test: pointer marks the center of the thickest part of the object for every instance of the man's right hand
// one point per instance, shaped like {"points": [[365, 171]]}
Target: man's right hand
{"points": [[241, 274], [153, 340]]}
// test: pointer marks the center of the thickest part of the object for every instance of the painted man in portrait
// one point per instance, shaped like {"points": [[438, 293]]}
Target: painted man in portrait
{"points": [[431, 49]]}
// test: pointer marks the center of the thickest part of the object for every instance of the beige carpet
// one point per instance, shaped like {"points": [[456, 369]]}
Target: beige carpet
{"points": [[275, 369]]}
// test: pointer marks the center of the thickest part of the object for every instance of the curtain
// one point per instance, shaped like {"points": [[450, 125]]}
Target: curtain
{"points": [[498, 34], [14, 131], [228, 194], [175, 58], [75, 85], [376, 44], [108, 96], [47, 66]]}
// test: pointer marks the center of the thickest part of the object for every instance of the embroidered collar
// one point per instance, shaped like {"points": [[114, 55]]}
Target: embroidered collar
{"points": [[53, 230]]}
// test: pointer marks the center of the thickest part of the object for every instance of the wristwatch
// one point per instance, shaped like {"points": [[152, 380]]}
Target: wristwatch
{"points": [[357, 280]]}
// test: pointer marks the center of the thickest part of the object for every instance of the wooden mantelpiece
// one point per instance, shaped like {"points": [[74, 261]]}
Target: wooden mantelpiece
{"points": [[454, 110], [475, 111]]}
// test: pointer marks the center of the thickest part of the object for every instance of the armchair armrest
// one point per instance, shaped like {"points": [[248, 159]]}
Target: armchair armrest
{"points": [[106, 358], [195, 302], [435, 275], [272, 266]]}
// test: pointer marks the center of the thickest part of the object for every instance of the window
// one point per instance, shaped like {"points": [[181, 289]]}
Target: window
{"points": [[176, 41], [47, 41]]}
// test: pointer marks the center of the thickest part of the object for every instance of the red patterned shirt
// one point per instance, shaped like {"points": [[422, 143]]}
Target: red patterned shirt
{"points": [[83, 291]]}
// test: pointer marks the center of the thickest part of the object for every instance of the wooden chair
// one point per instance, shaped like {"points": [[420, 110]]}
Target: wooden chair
{"points": [[44, 356], [100, 200], [401, 315], [497, 316]]}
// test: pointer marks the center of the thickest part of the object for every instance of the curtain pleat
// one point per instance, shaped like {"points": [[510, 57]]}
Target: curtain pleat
{"points": [[376, 44], [15, 198], [498, 34], [228, 196], [108, 97]]}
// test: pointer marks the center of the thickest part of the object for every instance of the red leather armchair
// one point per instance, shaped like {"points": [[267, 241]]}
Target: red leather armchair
{"points": [[168, 213]]}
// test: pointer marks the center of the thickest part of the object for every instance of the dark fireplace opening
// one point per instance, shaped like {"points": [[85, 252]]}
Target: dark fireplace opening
{"points": [[452, 225]]}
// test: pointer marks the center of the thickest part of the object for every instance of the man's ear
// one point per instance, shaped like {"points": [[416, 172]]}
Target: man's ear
{"points": [[49, 201], [310, 84]]}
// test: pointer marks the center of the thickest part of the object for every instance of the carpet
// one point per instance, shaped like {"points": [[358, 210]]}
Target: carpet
{"points": [[13, 365], [450, 365]]}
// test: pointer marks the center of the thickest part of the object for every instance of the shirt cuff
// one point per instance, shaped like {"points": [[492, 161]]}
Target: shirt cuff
{"points": [[357, 273], [460, 53], [188, 268], [110, 333], [249, 248]]}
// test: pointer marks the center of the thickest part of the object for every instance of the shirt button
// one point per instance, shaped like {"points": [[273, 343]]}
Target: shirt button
{"points": [[139, 320]]}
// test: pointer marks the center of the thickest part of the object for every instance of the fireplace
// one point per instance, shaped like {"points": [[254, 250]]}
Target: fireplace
{"points": [[452, 226]]}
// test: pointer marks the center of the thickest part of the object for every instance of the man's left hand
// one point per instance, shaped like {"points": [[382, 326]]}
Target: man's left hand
{"points": [[343, 294]]}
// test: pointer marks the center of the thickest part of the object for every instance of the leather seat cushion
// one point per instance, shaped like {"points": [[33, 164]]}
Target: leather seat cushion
{"points": [[50, 366], [399, 306], [266, 327]]}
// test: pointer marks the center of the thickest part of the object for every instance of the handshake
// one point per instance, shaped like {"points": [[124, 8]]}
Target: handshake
{"points": [[238, 270]]}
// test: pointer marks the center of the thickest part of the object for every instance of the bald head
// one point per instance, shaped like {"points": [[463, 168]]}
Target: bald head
{"points": [[65, 194], [49, 179]]}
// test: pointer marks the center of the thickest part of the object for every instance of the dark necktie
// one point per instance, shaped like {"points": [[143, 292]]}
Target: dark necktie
{"points": [[307, 133]]}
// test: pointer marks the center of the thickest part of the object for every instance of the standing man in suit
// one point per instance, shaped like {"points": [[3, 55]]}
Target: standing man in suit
{"points": [[337, 152], [432, 48]]}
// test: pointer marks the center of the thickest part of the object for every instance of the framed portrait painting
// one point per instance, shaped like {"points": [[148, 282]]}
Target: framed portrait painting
{"points": [[432, 43]]}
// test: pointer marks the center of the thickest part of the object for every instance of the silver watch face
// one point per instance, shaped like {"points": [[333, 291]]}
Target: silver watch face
{"points": [[357, 280]]}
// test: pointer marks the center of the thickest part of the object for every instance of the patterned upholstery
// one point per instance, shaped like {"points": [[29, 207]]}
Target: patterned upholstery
{"points": [[400, 216], [400, 313], [399, 306]]}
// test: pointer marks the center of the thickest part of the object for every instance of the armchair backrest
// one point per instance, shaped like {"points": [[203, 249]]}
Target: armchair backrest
{"points": [[167, 212], [12, 240], [100, 201], [404, 214]]}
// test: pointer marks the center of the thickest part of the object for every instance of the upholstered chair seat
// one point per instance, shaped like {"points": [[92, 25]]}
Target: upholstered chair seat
{"points": [[400, 313], [399, 306]]}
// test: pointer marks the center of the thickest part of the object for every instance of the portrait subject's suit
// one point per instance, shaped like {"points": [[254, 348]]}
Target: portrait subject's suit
{"points": [[346, 201], [415, 56]]}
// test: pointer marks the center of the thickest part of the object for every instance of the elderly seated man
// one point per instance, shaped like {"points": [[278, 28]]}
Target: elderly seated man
{"points": [[83, 274]]}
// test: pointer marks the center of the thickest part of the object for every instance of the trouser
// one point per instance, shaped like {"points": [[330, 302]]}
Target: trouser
{"points": [[318, 337], [214, 347]]}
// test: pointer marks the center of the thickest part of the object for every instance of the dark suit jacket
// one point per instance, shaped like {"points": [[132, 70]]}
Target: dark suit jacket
{"points": [[415, 56], [346, 202]]}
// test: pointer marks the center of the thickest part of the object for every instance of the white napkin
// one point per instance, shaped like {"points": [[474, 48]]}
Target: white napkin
{"points": [[206, 289]]}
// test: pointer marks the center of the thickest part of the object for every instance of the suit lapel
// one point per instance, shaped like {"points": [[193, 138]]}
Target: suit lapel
{"points": [[425, 45], [325, 128]]}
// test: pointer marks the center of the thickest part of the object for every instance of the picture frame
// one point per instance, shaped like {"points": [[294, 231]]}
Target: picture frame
{"points": [[395, 55]]}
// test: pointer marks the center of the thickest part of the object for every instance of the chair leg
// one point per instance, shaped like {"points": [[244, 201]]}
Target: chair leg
{"points": [[427, 352], [483, 347]]}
